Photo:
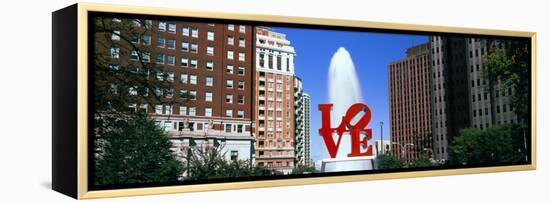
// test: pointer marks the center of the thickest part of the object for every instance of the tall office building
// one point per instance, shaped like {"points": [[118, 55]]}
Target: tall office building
{"points": [[461, 93], [307, 132], [410, 106], [301, 124], [209, 63], [274, 100]]}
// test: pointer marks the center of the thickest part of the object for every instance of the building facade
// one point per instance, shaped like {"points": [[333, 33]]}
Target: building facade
{"points": [[301, 125], [206, 75], [274, 100], [410, 106], [307, 132], [462, 95]]}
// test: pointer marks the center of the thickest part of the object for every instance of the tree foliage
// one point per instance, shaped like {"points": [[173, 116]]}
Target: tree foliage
{"points": [[510, 68], [389, 161], [301, 169], [493, 145], [133, 149], [207, 162]]}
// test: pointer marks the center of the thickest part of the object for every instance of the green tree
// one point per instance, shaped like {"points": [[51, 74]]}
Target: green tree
{"points": [[423, 161], [207, 162], [129, 76], [510, 68], [301, 169], [133, 149], [493, 145], [389, 161]]}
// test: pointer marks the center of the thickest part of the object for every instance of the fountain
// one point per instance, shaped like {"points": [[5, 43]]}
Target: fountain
{"points": [[343, 90]]}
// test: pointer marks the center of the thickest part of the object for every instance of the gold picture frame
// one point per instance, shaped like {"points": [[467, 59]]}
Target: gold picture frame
{"points": [[81, 190]]}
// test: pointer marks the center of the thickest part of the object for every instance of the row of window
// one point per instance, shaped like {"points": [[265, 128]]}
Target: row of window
{"points": [[171, 27], [146, 57], [163, 42], [191, 111]]}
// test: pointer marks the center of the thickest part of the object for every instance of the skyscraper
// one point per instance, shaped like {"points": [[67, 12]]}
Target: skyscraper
{"points": [[301, 124], [410, 107], [274, 100], [462, 95], [307, 134]]}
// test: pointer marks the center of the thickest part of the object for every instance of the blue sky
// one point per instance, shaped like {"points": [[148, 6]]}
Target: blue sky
{"points": [[371, 54]]}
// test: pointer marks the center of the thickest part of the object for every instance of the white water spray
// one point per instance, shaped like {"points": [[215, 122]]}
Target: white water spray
{"points": [[343, 91]]}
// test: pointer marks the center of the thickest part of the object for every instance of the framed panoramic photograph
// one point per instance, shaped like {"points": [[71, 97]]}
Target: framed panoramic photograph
{"points": [[156, 100]]}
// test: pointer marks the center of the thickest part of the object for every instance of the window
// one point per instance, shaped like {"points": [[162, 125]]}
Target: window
{"points": [[240, 128], [160, 76], [134, 55], [228, 98], [184, 78], [241, 56], [208, 112], [160, 58], [160, 42], [210, 50], [169, 93], [185, 30], [192, 111], [115, 52], [230, 40], [143, 108], [194, 63], [241, 42], [134, 38], [231, 27], [210, 36], [194, 48], [158, 109], [171, 43], [193, 95], [228, 128], [229, 84], [132, 90], [185, 46], [242, 29], [208, 96], [115, 36], [148, 24], [230, 55], [170, 76], [183, 110], [262, 58], [146, 40], [209, 81], [229, 113], [195, 32], [170, 59], [240, 99], [167, 110], [193, 79], [279, 62], [241, 85], [241, 71], [184, 62], [240, 113], [234, 155], [229, 69], [145, 57], [209, 65], [162, 26], [171, 28]]}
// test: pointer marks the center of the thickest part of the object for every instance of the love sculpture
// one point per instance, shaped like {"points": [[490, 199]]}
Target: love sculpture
{"points": [[355, 130]]}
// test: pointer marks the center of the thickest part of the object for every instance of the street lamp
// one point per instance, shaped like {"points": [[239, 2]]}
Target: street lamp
{"points": [[403, 148], [381, 137]]}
